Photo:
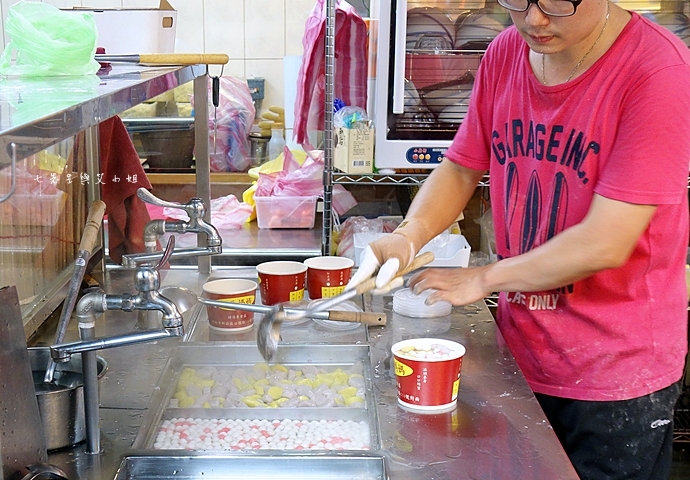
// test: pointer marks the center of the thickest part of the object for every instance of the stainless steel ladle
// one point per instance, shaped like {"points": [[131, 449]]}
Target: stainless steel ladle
{"points": [[42, 470], [268, 333]]}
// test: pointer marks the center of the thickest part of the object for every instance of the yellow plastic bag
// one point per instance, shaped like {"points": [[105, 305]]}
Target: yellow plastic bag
{"points": [[48, 41]]}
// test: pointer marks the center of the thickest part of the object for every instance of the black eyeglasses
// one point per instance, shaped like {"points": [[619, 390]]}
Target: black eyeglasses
{"points": [[552, 8]]}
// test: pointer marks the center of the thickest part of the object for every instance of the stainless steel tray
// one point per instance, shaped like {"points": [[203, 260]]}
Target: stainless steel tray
{"points": [[364, 466], [244, 355]]}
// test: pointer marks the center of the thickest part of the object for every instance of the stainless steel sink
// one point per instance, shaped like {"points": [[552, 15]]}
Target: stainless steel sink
{"points": [[365, 466], [246, 355]]}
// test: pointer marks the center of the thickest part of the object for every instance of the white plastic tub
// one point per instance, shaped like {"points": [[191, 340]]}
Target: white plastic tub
{"points": [[285, 212]]}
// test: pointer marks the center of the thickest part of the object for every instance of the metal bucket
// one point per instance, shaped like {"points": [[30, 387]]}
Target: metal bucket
{"points": [[61, 404]]}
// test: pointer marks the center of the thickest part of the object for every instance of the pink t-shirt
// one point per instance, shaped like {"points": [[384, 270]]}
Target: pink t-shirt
{"points": [[620, 130]]}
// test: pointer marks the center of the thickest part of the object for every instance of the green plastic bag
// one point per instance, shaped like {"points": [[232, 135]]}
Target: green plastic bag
{"points": [[49, 42]]}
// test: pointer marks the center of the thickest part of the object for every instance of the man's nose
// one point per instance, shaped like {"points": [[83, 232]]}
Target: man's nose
{"points": [[534, 15]]}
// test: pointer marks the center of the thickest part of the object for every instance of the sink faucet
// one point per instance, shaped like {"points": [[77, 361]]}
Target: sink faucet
{"points": [[196, 210], [94, 304]]}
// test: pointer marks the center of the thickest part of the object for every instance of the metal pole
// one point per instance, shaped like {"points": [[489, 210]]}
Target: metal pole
{"points": [[328, 129], [89, 365], [203, 168]]}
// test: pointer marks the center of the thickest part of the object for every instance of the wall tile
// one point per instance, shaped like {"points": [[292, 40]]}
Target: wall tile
{"points": [[190, 26], [296, 14], [264, 22], [224, 27], [235, 68]]}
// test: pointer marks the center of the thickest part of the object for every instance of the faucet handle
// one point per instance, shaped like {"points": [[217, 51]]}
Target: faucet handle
{"points": [[195, 208], [150, 198], [169, 247]]}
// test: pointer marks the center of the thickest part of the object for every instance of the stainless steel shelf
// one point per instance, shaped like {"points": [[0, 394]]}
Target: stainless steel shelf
{"points": [[36, 113], [397, 179]]}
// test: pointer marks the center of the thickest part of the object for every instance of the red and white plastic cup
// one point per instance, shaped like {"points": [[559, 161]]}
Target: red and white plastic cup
{"points": [[236, 290], [427, 373], [281, 281], [327, 276]]}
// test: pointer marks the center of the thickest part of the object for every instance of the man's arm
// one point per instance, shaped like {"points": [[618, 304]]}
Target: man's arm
{"points": [[604, 239]]}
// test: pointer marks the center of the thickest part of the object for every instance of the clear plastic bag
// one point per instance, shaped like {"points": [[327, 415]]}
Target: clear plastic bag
{"points": [[49, 42], [229, 126]]}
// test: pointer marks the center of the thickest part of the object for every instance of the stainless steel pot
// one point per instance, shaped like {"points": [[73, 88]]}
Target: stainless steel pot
{"points": [[61, 404], [258, 148]]}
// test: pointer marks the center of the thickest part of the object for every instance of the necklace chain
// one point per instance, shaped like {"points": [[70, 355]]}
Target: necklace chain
{"points": [[606, 22]]}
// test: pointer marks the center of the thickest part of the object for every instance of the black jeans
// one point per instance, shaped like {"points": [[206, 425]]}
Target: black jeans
{"points": [[627, 439]]}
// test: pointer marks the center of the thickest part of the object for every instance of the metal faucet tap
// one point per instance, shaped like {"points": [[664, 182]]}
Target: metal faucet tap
{"points": [[196, 210], [92, 305]]}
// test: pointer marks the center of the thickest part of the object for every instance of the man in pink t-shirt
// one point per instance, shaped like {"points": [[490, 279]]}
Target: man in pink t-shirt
{"points": [[581, 114]]}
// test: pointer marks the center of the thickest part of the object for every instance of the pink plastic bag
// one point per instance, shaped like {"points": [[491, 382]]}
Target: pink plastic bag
{"points": [[350, 83], [226, 212], [302, 181]]}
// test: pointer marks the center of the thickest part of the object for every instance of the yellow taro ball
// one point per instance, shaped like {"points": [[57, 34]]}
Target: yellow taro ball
{"points": [[348, 392], [279, 368], [240, 384], [251, 402], [181, 395], [183, 384], [187, 402], [275, 392], [304, 381], [259, 389], [326, 378]]}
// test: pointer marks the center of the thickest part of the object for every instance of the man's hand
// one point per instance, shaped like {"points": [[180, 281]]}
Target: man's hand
{"points": [[386, 255], [459, 286]]}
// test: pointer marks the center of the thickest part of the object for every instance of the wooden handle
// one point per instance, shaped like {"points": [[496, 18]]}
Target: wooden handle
{"points": [[93, 225], [419, 261], [184, 58], [367, 318]]}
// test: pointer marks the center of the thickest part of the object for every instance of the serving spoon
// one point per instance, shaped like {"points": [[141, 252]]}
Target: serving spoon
{"points": [[268, 333]]}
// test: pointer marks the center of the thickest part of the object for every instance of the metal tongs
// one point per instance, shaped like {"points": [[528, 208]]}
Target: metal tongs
{"points": [[268, 333]]}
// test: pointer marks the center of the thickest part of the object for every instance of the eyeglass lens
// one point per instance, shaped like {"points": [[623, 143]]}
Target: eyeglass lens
{"points": [[559, 8]]}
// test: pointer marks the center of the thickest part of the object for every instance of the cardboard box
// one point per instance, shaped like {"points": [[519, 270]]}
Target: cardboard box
{"points": [[128, 31], [353, 150]]}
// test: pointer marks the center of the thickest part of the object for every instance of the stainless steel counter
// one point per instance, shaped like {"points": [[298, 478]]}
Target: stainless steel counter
{"points": [[498, 430]]}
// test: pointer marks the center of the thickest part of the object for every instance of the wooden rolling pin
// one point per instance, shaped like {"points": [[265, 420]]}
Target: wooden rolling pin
{"points": [[166, 58]]}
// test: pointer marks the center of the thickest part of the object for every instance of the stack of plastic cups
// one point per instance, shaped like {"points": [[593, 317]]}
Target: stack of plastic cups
{"points": [[405, 302]]}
